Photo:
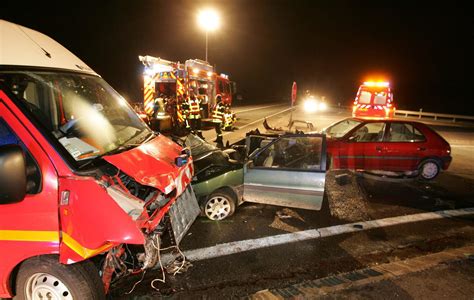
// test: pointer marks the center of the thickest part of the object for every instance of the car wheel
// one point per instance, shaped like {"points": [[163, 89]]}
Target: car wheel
{"points": [[44, 277], [429, 169], [219, 205]]}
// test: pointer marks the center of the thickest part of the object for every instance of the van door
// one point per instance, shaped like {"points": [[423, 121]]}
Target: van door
{"points": [[289, 171], [31, 226]]}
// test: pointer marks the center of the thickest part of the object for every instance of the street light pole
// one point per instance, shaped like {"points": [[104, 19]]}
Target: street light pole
{"points": [[209, 21], [206, 42]]}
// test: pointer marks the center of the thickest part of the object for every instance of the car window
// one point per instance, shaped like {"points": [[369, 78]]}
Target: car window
{"points": [[302, 153], [340, 129], [370, 132], [404, 132]]}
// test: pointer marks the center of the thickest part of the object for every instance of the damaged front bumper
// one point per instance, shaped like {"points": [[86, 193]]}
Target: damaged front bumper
{"points": [[170, 231]]}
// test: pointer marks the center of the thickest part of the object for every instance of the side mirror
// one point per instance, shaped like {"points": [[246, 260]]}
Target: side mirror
{"points": [[12, 174]]}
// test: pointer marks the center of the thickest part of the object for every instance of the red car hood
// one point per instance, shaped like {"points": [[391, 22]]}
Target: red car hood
{"points": [[153, 164]]}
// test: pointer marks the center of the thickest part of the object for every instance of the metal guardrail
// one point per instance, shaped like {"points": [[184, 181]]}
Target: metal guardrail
{"points": [[434, 116], [426, 115]]}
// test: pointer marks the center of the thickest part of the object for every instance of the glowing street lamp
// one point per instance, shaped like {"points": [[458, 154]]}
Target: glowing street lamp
{"points": [[209, 21]]}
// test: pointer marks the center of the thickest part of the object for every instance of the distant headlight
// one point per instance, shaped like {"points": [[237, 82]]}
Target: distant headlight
{"points": [[310, 105], [323, 106]]}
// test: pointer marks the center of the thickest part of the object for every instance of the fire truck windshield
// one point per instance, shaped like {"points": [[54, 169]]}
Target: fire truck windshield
{"points": [[86, 116]]}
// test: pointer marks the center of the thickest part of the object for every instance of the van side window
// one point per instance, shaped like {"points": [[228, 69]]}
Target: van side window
{"points": [[8, 137]]}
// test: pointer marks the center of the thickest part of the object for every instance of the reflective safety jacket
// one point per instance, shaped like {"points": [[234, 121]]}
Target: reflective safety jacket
{"points": [[194, 109], [182, 111], [218, 113], [229, 120]]}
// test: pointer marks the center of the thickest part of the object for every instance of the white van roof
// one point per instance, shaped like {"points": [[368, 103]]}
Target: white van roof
{"points": [[21, 46]]}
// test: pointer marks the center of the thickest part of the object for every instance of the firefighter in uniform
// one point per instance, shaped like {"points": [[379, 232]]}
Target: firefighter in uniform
{"points": [[195, 115], [229, 118], [218, 120], [182, 112]]}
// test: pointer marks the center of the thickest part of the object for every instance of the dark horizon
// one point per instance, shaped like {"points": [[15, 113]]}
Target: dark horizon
{"points": [[329, 47]]}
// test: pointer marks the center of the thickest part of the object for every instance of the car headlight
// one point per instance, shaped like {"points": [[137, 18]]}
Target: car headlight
{"points": [[322, 106], [310, 105]]}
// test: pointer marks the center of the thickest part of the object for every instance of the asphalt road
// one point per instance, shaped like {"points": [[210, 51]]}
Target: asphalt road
{"points": [[411, 232]]}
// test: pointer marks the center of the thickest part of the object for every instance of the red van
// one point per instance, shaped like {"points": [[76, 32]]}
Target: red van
{"points": [[87, 191], [374, 99]]}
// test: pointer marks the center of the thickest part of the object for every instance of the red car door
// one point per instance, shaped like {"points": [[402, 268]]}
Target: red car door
{"points": [[404, 145], [362, 148]]}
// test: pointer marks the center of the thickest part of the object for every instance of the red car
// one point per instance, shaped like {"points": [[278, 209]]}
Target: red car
{"points": [[387, 145]]}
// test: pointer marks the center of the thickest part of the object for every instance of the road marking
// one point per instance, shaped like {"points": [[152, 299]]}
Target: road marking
{"points": [[309, 289], [257, 108], [462, 146], [254, 244], [261, 119]]}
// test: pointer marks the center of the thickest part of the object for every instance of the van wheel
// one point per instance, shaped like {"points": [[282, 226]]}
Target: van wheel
{"points": [[44, 277], [219, 205], [429, 169]]}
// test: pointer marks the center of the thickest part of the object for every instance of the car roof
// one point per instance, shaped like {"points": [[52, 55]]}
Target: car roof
{"points": [[372, 120], [21, 46]]}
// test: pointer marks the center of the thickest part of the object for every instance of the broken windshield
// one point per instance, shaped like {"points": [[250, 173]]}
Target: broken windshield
{"points": [[86, 116]]}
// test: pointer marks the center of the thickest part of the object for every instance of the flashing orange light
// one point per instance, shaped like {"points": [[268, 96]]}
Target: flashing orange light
{"points": [[377, 83]]}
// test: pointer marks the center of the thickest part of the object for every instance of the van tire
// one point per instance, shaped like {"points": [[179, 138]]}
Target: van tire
{"points": [[80, 280]]}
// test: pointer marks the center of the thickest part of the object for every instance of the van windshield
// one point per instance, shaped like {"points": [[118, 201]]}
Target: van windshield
{"points": [[86, 116]]}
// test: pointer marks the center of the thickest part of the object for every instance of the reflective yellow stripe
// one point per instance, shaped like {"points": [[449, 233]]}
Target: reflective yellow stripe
{"points": [[29, 235], [83, 251]]}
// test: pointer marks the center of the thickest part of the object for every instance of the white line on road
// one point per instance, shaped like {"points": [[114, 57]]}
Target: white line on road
{"points": [[261, 119], [256, 108], [462, 146], [253, 244]]}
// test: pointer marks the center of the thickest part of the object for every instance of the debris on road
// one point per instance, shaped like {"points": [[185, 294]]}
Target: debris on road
{"points": [[347, 201]]}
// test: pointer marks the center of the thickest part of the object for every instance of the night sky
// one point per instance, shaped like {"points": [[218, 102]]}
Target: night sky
{"points": [[425, 49]]}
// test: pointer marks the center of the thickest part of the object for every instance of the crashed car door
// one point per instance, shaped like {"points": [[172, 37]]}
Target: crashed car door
{"points": [[289, 171]]}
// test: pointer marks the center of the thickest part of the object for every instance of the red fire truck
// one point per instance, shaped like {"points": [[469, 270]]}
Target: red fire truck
{"points": [[374, 99], [88, 193], [174, 79]]}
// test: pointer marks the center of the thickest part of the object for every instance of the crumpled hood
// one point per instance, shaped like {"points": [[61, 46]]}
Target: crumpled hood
{"points": [[153, 164]]}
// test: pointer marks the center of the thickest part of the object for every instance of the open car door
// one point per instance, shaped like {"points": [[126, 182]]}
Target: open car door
{"points": [[289, 170]]}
